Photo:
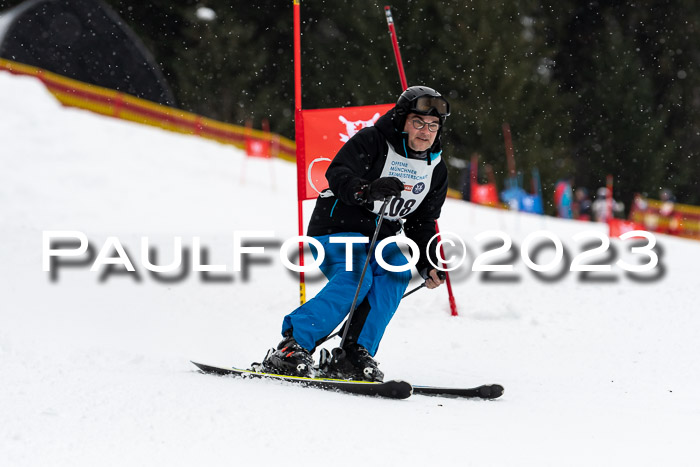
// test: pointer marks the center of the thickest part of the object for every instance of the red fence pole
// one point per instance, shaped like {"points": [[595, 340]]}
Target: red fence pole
{"points": [[510, 157]]}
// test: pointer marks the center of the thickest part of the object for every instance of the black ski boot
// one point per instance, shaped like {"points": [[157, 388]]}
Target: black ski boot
{"points": [[290, 359], [352, 362]]}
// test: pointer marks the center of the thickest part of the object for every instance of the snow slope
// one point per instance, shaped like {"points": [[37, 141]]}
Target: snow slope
{"points": [[599, 369]]}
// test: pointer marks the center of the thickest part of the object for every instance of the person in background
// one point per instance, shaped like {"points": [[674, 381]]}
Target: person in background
{"points": [[581, 207], [564, 198], [672, 219], [600, 207], [668, 200]]}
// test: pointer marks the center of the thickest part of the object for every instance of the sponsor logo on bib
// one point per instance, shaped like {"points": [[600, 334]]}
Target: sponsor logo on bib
{"points": [[418, 188]]}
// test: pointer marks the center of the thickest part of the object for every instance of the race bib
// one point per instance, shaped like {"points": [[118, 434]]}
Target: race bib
{"points": [[415, 174]]}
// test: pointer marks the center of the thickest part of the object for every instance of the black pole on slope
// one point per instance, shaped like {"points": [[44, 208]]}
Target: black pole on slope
{"points": [[364, 269]]}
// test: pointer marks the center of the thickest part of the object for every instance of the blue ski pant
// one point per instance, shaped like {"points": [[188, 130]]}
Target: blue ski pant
{"points": [[383, 289]]}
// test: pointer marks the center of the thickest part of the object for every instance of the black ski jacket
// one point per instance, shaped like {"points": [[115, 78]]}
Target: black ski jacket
{"points": [[361, 160]]}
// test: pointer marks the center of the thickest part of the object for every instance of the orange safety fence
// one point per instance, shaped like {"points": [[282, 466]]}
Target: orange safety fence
{"points": [[113, 103], [666, 217], [120, 105]]}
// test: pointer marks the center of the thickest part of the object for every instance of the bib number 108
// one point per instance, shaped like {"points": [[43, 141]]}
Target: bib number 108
{"points": [[399, 207]]}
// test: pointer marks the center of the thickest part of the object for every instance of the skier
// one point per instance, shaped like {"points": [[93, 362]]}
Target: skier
{"points": [[398, 158]]}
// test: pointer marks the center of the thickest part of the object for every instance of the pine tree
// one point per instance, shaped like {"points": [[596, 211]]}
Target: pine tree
{"points": [[588, 88]]}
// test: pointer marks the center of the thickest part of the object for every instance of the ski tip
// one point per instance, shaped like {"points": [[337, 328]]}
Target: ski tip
{"points": [[491, 391]]}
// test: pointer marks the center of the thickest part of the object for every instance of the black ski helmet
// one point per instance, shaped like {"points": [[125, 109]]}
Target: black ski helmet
{"points": [[422, 100]]}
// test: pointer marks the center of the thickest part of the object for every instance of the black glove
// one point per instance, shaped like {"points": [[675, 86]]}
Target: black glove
{"points": [[425, 274], [382, 188]]}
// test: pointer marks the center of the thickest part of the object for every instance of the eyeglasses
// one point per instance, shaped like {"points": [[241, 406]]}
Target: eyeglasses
{"points": [[418, 124], [425, 104]]}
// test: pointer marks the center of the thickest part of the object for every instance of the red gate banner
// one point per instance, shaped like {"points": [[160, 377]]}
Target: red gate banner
{"points": [[485, 194], [258, 148], [324, 133]]}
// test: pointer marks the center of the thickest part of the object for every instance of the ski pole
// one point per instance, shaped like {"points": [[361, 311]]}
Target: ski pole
{"points": [[364, 268], [441, 276]]}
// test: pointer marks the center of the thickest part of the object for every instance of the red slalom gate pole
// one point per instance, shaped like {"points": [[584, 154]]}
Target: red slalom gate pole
{"points": [[448, 282], [395, 43], [299, 132], [404, 84], [297, 55]]}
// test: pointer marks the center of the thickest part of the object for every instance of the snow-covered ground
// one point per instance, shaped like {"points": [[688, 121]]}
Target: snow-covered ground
{"points": [[599, 369]]}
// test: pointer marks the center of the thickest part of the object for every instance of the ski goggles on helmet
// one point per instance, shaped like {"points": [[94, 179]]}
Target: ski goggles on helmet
{"points": [[427, 105]]}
